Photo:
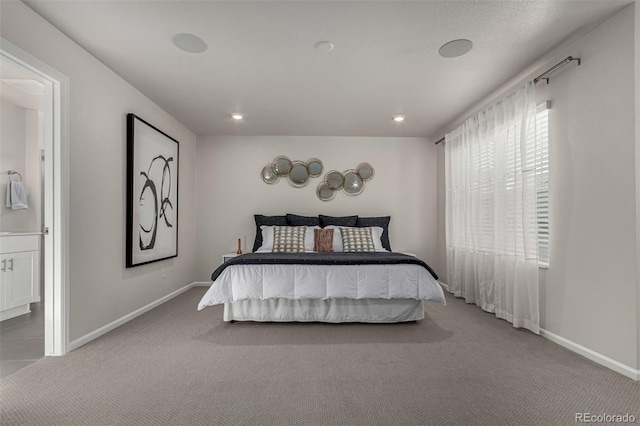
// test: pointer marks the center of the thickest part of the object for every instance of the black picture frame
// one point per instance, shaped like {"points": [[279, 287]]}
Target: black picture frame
{"points": [[152, 193]]}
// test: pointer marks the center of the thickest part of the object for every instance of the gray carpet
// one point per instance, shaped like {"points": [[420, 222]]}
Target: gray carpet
{"points": [[177, 366]]}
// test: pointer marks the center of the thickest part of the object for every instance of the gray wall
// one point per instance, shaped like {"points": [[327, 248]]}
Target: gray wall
{"points": [[230, 189], [101, 288], [592, 186], [637, 82], [588, 294]]}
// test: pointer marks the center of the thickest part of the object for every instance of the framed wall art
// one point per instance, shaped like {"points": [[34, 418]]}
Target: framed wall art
{"points": [[152, 193]]}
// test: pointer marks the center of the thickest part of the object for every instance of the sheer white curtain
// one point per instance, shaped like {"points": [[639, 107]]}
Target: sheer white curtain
{"points": [[492, 247]]}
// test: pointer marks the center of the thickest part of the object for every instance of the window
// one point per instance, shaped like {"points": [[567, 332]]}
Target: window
{"points": [[542, 183], [496, 174], [537, 160]]}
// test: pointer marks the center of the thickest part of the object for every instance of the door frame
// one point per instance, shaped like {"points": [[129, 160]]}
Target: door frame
{"points": [[56, 200]]}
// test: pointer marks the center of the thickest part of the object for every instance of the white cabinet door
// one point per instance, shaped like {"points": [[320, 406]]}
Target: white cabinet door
{"points": [[19, 271], [25, 277], [6, 295]]}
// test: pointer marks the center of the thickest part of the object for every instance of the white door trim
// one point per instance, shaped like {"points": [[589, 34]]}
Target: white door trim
{"points": [[56, 208]]}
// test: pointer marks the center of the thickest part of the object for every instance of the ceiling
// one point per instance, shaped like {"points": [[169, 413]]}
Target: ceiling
{"points": [[261, 60]]}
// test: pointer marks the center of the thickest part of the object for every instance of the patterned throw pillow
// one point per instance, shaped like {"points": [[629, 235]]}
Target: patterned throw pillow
{"points": [[323, 240], [288, 238], [357, 239], [383, 222], [267, 221]]}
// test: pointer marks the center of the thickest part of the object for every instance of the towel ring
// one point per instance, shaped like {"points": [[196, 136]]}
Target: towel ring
{"points": [[13, 172]]}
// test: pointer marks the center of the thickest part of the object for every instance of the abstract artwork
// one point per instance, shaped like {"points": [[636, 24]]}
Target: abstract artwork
{"points": [[152, 193]]}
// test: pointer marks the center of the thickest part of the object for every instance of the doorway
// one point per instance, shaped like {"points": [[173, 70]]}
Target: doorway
{"points": [[22, 95], [53, 122]]}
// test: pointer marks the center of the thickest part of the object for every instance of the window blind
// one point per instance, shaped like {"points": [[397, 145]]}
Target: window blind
{"points": [[541, 160], [484, 172]]}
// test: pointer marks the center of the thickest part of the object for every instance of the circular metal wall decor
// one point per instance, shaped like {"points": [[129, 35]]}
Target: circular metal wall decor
{"points": [[365, 171], [334, 179], [325, 192], [315, 167], [282, 165], [269, 174], [299, 174], [353, 183]]}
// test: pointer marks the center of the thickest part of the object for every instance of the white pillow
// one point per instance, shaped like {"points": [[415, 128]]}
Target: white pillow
{"points": [[267, 239], [376, 234], [337, 238], [309, 238]]}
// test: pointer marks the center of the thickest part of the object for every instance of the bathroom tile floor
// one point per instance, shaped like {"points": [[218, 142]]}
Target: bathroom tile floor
{"points": [[22, 340]]}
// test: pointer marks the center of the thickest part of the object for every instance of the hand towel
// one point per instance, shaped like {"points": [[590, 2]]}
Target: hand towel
{"points": [[16, 196]]}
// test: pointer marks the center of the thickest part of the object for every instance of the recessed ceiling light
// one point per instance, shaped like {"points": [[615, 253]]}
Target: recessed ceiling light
{"points": [[324, 46], [455, 48], [237, 116], [189, 43], [398, 118]]}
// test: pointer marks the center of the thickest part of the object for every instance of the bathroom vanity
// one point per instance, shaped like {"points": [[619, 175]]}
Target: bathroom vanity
{"points": [[19, 272]]}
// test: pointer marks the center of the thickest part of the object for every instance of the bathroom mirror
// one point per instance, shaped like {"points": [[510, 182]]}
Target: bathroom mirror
{"points": [[315, 167], [269, 174], [365, 171], [353, 183], [324, 192], [282, 165], [299, 174], [334, 179]]}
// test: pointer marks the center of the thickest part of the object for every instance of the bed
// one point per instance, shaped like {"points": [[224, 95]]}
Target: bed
{"points": [[308, 270]]}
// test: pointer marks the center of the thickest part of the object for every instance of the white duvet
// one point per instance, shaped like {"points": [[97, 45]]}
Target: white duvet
{"points": [[289, 281]]}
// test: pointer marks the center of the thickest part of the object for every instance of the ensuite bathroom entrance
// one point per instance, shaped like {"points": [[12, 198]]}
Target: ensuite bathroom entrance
{"points": [[33, 216], [22, 97]]}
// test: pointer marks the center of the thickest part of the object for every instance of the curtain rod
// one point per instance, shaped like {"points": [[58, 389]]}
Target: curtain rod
{"points": [[543, 76], [554, 68]]}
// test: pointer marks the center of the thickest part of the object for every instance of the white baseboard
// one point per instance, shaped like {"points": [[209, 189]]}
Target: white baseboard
{"points": [[594, 356], [117, 323], [202, 284], [15, 312]]}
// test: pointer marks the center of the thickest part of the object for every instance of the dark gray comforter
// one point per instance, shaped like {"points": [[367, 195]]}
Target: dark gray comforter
{"points": [[339, 258]]}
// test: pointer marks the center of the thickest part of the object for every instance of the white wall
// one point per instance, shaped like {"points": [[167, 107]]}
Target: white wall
{"points": [[101, 288], [588, 294], [230, 190]]}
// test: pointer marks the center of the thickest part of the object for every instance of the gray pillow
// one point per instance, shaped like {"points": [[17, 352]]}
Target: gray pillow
{"points": [[296, 220], [337, 220]]}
